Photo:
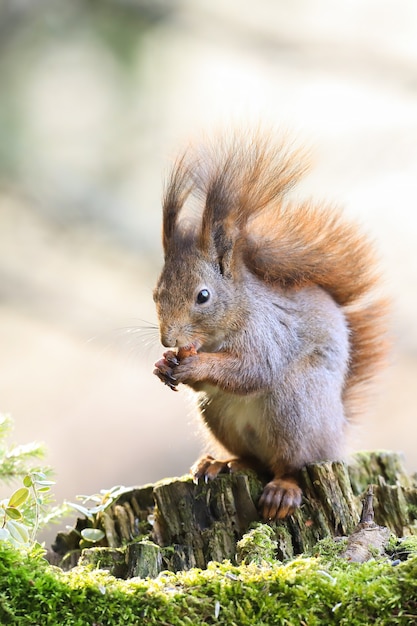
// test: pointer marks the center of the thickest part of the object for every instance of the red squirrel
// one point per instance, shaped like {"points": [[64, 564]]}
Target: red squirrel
{"points": [[273, 307]]}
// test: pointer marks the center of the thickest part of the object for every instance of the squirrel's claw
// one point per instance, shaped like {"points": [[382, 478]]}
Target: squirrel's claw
{"points": [[171, 358], [166, 378], [173, 369], [280, 498], [209, 468], [164, 372]]}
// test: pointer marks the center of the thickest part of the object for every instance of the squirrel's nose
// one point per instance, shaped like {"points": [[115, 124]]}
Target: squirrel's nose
{"points": [[168, 339], [166, 342], [174, 338]]}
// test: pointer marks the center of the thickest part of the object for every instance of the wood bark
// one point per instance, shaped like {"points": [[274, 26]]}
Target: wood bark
{"points": [[177, 524]]}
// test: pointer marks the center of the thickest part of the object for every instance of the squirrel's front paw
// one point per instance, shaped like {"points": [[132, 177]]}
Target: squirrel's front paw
{"points": [[164, 369], [175, 368], [189, 369], [280, 498]]}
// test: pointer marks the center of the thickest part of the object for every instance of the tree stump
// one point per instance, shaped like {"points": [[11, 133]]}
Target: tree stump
{"points": [[177, 524]]}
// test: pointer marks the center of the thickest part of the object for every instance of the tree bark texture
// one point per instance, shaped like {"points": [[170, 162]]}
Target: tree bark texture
{"points": [[177, 524]]}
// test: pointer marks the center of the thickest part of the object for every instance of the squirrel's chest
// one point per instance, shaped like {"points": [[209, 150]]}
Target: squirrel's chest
{"points": [[238, 422]]}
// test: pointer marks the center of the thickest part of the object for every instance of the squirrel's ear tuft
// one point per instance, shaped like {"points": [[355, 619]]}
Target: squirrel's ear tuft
{"points": [[217, 208], [224, 248], [218, 223], [227, 265], [176, 193]]}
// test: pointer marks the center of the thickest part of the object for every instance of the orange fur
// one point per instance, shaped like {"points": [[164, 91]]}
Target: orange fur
{"points": [[244, 185]]}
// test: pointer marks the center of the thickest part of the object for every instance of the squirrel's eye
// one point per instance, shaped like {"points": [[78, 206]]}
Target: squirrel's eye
{"points": [[203, 296]]}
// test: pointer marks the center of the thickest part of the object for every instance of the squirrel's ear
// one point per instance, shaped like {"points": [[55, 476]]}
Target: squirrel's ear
{"points": [[223, 249], [217, 236], [177, 190]]}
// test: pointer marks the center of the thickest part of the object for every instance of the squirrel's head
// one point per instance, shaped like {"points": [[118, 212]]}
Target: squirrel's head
{"points": [[196, 299], [210, 202], [197, 291]]}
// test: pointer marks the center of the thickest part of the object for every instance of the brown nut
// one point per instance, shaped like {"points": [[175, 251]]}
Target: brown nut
{"points": [[185, 351]]}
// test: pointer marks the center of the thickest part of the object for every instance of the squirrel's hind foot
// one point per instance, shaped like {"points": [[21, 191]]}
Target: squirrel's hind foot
{"points": [[280, 498]]}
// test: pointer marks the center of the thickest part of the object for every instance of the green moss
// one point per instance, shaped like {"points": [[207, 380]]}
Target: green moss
{"points": [[409, 544], [412, 511], [306, 590], [403, 548], [329, 548], [257, 546]]}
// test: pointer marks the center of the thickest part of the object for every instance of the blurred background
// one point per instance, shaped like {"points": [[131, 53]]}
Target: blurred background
{"points": [[96, 99]]}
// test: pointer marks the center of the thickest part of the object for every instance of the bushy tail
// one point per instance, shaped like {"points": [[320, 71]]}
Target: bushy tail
{"points": [[295, 244]]}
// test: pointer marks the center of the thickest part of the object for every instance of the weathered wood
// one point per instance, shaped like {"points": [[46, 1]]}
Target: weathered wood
{"points": [[112, 560], [368, 540], [368, 467], [143, 559], [177, 524], [207, 518]]}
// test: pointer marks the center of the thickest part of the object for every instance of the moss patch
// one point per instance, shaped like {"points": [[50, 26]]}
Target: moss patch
{"points": [[257, 546], [310, 590]]}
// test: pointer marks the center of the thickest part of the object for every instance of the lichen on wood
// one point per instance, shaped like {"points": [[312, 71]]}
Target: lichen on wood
{"points": [[177, 524]]}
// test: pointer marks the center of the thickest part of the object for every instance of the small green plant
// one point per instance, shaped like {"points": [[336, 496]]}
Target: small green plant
{"points": [[20, 522], [16, 461], [23, 512], [101, 502]]}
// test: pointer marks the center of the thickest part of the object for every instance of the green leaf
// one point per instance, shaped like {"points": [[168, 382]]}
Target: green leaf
{"points": [[44, 483], [38, 475], [27, 481], [92, 534], [13, 513], [93, 498], [19, 497], [4, 534], [81, 509], [19, 532], [29, 450]]}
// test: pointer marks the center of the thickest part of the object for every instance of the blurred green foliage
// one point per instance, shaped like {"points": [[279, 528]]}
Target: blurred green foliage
{"points": [[30, 30]]}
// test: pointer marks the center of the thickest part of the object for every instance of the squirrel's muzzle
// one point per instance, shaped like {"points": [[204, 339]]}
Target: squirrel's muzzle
{"points": [[169, 337], [172, 337]]}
